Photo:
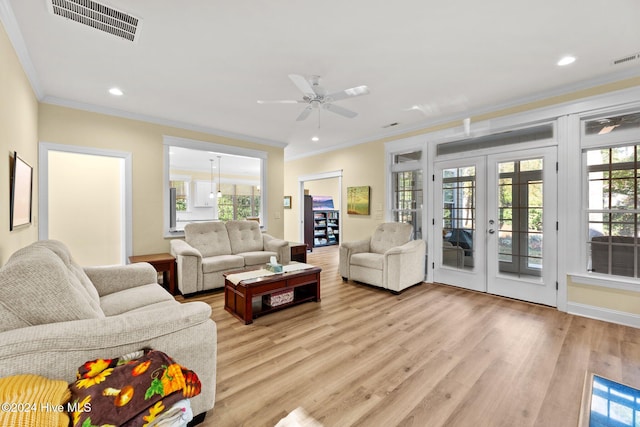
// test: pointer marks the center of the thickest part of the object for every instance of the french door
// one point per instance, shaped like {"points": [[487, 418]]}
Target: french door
{"points": [[497, 217]]}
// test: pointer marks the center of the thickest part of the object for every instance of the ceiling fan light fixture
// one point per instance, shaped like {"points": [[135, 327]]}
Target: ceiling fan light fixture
{"points": [[358, 90]]}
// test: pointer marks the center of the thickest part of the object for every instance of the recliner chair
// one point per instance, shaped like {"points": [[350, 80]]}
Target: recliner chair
{"points": [[390, 259]]}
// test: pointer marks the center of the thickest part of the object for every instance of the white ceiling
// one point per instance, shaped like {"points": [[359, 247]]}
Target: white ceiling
{"points": [[203, 64]]}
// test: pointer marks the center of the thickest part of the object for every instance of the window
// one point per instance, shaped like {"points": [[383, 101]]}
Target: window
{"points": [[182, 192], [195, 170], [613, 211], [238, 201], [407, 190]]}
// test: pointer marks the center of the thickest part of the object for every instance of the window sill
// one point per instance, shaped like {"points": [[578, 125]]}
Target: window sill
{"points": [[604, 281]]}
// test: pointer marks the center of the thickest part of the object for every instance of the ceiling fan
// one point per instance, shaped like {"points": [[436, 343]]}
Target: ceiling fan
{"points": [[316, 97]]}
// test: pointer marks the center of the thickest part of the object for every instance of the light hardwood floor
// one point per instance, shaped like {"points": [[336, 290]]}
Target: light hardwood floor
{"points": [[432, 356]]}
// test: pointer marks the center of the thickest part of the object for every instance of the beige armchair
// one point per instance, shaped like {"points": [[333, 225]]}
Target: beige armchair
{"points": [[389, 259]]}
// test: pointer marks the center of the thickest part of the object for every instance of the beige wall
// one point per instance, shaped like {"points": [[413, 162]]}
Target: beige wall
{"points": [[361, 165], [145, 141], [18, 132], [612, 299]]}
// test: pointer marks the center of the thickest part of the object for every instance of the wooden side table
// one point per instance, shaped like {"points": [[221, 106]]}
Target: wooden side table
{"points": [[298, 252], [163, 263]]}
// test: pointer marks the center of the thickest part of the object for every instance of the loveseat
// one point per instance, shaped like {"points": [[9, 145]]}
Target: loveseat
{"points": [[212, 248], [390, 259], [56, 315]]}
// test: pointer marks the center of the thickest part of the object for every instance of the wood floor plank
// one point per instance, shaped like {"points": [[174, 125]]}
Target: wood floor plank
{"points": [[433, 355]]}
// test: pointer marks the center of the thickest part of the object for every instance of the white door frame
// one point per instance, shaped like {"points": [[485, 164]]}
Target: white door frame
{"points": [[315, 177], [478, 277], [126, 191], [540, 290], [473, 277]]}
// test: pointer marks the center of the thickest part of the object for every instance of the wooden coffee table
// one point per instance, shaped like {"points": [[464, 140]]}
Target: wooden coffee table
{"points": [[238, 299]]}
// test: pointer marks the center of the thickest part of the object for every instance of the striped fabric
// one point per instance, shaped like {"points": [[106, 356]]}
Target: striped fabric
{"points": [[31, 400]]}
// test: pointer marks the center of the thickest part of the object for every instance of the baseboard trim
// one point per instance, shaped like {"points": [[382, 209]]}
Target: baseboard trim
{"points": [[606, 314]]}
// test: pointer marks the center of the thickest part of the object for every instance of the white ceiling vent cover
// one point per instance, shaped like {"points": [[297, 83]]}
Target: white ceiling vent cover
{"points": [[98, 16], [625, 59]]}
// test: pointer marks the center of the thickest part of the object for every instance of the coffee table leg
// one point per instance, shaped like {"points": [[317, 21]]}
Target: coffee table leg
{"points": [[248, 307]]}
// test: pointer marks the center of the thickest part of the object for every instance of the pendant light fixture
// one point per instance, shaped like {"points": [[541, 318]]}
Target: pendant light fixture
{"points": [[219, 182], [211, 193]]}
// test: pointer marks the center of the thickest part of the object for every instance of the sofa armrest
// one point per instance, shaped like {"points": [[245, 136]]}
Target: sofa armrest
{"points": [[184, 332], [188, 266], [110, 279], [182, 248], [346, 250], [279, 246], [404, 265]]}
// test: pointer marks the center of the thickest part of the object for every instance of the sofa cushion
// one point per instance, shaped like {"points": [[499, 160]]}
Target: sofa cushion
{"points": [[35, 289], [77, 274], [210, 238], [257, 258], [389, 235], [245, 236], [221, 263], [133, 298], [369, 260]]}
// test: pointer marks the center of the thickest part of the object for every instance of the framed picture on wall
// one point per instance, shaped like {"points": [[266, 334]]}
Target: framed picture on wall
{"points": [[20, 197], [287, 202], [358, 199]]}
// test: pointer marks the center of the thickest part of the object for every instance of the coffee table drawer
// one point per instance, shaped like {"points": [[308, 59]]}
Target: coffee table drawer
{"points": [[302, 280]]}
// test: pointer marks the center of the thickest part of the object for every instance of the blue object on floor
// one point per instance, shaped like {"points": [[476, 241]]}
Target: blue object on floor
{"points": [[613, 404]]}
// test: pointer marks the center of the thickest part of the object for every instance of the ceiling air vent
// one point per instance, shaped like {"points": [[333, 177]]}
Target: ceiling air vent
{"points": [[98, 16], [625, 59]]}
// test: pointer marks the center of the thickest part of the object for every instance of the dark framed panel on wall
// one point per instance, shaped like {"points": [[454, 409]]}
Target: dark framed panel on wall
{"points": [[21, 193]]}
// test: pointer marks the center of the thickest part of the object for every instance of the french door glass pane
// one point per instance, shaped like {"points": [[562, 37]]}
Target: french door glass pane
{"points": [[520, 213], [458, 216], [408, 196]]}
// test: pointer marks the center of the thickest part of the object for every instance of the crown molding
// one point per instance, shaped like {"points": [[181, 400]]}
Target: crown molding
{"points": [[159, 121], [10, 24]]}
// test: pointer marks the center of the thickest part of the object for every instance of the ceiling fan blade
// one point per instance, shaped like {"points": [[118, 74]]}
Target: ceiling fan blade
{"points": [[281, 101], [302, 84], [340, 110], [348, 93], [305, 113]]}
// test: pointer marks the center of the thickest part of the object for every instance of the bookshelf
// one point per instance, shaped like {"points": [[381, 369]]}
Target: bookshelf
{"points": [[326, 228]]}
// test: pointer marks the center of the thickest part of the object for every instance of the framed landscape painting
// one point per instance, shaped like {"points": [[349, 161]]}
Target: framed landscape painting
{"points": [[358, 199]]}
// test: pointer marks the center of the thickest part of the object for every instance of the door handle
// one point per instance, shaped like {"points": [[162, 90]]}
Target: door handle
{"points": [[492, 231]]}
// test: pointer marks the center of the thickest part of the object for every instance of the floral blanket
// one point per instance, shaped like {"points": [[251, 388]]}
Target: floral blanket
{"points": [[132, 390]]}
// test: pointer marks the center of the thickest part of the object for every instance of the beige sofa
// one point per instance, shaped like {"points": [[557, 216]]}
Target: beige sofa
{"points": [[212, 248], [389, 259], [56, 315]]}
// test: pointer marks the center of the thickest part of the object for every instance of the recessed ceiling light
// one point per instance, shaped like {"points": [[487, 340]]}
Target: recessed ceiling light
{"points": [[315, 139], [116, 91], [566, 61]]}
